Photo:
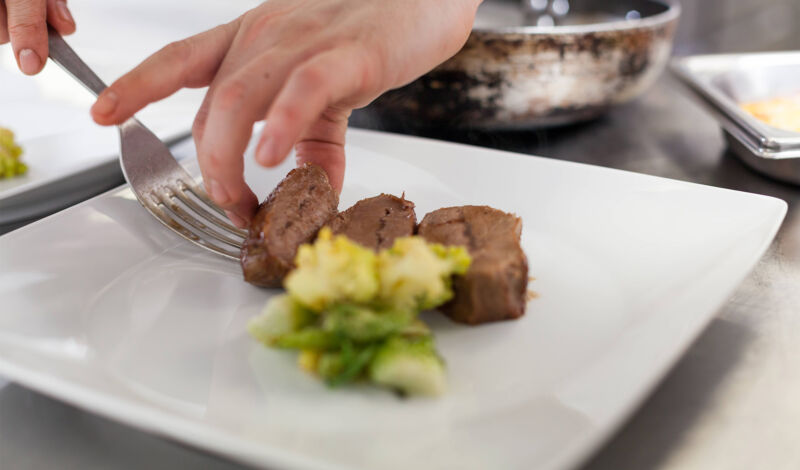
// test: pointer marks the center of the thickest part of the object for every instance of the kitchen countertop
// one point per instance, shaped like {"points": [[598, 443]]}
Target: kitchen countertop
{"points": [[730, 402]]}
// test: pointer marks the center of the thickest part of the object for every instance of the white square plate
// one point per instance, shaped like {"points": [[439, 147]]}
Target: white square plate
{"points": [[104, 308]]}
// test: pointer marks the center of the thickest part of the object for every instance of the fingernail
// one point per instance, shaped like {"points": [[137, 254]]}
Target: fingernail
{"points": [[237, 221], [63, 11], [266, 152], [106, 103], [29, 61], [217, 192]]}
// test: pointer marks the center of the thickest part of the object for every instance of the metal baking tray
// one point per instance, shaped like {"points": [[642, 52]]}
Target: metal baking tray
{"points": [[723, 82]]}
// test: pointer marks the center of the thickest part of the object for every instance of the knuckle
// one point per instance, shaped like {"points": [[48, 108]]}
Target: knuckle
{"points": [[288, 113], [26, 27], [179, 51], [367, 67], [366, 77], [212, 165], [313, 23], [255, 26], [337, 117], [198, 126], [231, 95], [215, 162], [310, 77], [234, 195]]}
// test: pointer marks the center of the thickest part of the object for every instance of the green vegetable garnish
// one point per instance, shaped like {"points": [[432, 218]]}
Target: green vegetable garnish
{"points": [[411, 366], [345, 365], [310, 338], [363, 325], [282, 315], [10, 152], [353, 314]]}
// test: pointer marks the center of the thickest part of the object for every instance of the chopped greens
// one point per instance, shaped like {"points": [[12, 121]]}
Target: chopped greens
{"points": [[410, 365], [10, 153], [353, 314]]}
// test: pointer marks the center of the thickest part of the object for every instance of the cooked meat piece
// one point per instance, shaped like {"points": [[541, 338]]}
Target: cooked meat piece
{"points": [[292, 215], [494, 287], [375, 222]]}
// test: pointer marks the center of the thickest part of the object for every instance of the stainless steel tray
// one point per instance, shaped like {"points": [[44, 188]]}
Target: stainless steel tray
{"points": [[722, 82]]}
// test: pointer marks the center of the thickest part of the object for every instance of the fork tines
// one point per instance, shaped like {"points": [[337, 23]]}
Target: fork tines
{"points": [[187, 209]]}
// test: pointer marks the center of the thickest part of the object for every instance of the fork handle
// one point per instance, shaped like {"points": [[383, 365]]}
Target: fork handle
{"points": [[64, 56]]}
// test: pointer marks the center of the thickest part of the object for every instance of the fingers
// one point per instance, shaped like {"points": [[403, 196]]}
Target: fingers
{"points": [[241, 212], [323, 144], [30, 39], [199, 124], [191, 62], [225, 122], [59, 16], [223, 177], [313, 87], [27, 29]]}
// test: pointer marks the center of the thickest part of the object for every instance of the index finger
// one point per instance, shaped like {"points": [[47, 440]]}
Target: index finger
{"points": [[236, 102]]}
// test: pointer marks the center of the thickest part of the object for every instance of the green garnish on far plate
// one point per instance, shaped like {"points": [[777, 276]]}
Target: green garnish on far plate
{"points": [[10, 152], [353, 314]]}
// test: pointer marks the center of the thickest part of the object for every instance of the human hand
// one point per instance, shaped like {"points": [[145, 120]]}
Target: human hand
{"points": [[301, 64], [24, 24]]}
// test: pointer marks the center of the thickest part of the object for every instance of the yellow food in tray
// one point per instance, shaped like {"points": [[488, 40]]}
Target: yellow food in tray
{"points": [[10, 152], [782, 112]]}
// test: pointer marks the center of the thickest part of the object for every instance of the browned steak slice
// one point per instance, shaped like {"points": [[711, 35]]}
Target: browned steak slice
{"points": [[292, 215], [495, 286], [375, 222]]}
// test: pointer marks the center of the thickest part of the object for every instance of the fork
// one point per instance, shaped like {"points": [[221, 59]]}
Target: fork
{"points": [[159, 182]]}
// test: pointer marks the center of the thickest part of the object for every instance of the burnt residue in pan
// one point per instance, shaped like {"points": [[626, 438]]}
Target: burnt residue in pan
{"points": [[518, 80]]}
